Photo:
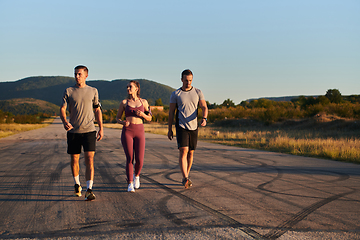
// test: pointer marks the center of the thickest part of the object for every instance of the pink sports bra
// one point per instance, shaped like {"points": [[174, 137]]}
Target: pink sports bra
{"points": [[131, 111]]}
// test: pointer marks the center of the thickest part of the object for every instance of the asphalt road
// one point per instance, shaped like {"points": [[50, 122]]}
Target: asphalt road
{"points": [[237, 194]]}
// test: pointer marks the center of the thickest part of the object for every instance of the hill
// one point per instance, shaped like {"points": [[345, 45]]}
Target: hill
{"points": [[28, 106], [51, 88], [278, 99]]}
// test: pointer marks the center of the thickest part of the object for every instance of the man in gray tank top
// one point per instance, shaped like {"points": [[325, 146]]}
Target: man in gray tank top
{"points": [[185, 101], [82, 101]]}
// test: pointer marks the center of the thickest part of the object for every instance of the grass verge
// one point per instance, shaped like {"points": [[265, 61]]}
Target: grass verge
{"points": [[334, 144]]}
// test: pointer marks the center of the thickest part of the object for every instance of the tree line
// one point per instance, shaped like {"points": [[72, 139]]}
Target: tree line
{"points": [[269, 111], [7, 117]]}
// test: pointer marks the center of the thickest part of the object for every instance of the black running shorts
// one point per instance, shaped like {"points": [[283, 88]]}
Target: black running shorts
{"points": [[76, 140], [186, 138]]}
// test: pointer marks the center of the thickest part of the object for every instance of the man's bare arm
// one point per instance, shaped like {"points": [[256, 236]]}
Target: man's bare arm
{"points": [[172, 108], [205, 110], [99, 120], [66, 124]]}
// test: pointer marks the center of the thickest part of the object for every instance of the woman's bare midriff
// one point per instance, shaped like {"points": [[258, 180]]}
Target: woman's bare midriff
{"points": [[134, 120]]}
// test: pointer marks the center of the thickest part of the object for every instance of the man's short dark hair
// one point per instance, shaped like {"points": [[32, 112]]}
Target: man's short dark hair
{"points": [[82, 67], [186, 72]]}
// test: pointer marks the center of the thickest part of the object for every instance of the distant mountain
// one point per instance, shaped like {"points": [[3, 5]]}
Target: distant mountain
{"points": [[28, 106], [51, 89]]}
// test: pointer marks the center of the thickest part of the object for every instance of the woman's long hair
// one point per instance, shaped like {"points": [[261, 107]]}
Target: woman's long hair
{"points": [[137, 84]]}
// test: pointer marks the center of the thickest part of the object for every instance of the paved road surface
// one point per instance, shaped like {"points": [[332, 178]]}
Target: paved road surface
{"points": [[237, 194]]}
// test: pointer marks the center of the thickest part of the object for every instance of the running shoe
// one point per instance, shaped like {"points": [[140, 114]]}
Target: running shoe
{"points": [[136, 182], [131, 187], [77, 191], [186, 182], [190, 182], [89, 195]]}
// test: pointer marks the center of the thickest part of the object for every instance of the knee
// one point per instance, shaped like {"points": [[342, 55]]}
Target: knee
{"points": [[89, 163], [89, 159], [75, 158], [190, 154], [184, 151]]}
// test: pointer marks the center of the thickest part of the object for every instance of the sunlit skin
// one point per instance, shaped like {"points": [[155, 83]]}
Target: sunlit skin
{"points": [[186, 156], [80, 77], [133, 101], [187, 81]]}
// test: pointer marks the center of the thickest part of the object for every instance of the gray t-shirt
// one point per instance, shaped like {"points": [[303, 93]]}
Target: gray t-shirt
{"points": [[187, 104], [80, 103]]}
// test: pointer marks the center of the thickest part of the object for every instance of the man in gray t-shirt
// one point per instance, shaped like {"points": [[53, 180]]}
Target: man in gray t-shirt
{"points": [[185, 101], [82, 101]]}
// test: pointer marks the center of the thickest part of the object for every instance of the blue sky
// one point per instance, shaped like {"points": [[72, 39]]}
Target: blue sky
{"points": [[236, 49]]}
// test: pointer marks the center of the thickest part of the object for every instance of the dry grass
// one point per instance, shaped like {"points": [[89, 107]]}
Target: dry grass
{"points": [[337, 149], [7, 129], [298, 143], [335, 144], [155, 128]]}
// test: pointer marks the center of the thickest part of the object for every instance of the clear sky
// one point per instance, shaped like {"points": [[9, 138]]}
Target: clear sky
{"points": [[236, 49]]}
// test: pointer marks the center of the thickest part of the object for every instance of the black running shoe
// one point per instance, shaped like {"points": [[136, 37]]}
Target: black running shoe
{"points": [[89, 195], [189, 182], [77, 191], [186, 182]]}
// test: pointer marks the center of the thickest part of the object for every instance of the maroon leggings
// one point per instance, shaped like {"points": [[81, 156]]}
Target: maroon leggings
{"points": [[133, 141]]}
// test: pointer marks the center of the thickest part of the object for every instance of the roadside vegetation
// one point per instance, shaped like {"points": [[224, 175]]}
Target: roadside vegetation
{"points": [[316, 137], [11, 124], [324, 126]]}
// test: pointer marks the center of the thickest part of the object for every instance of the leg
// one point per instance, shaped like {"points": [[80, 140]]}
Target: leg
{"points": [[183, 161], [127, 143], [75, 164], [89, 144], [192, 146], [74, 149], [89, 175], [139, 147], [89, 162], [186, 153], [190, 158], [75, 172]]}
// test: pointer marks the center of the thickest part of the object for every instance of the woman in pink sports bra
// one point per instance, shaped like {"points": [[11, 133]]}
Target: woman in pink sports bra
{"points": [[133, 135]]}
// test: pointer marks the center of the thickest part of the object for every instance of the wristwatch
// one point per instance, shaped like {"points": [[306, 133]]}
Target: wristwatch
{"points": [[205, 119]]}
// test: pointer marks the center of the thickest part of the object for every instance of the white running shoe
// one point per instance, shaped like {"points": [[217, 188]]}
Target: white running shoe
{"points": [[136, 182], [131, 187]]}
